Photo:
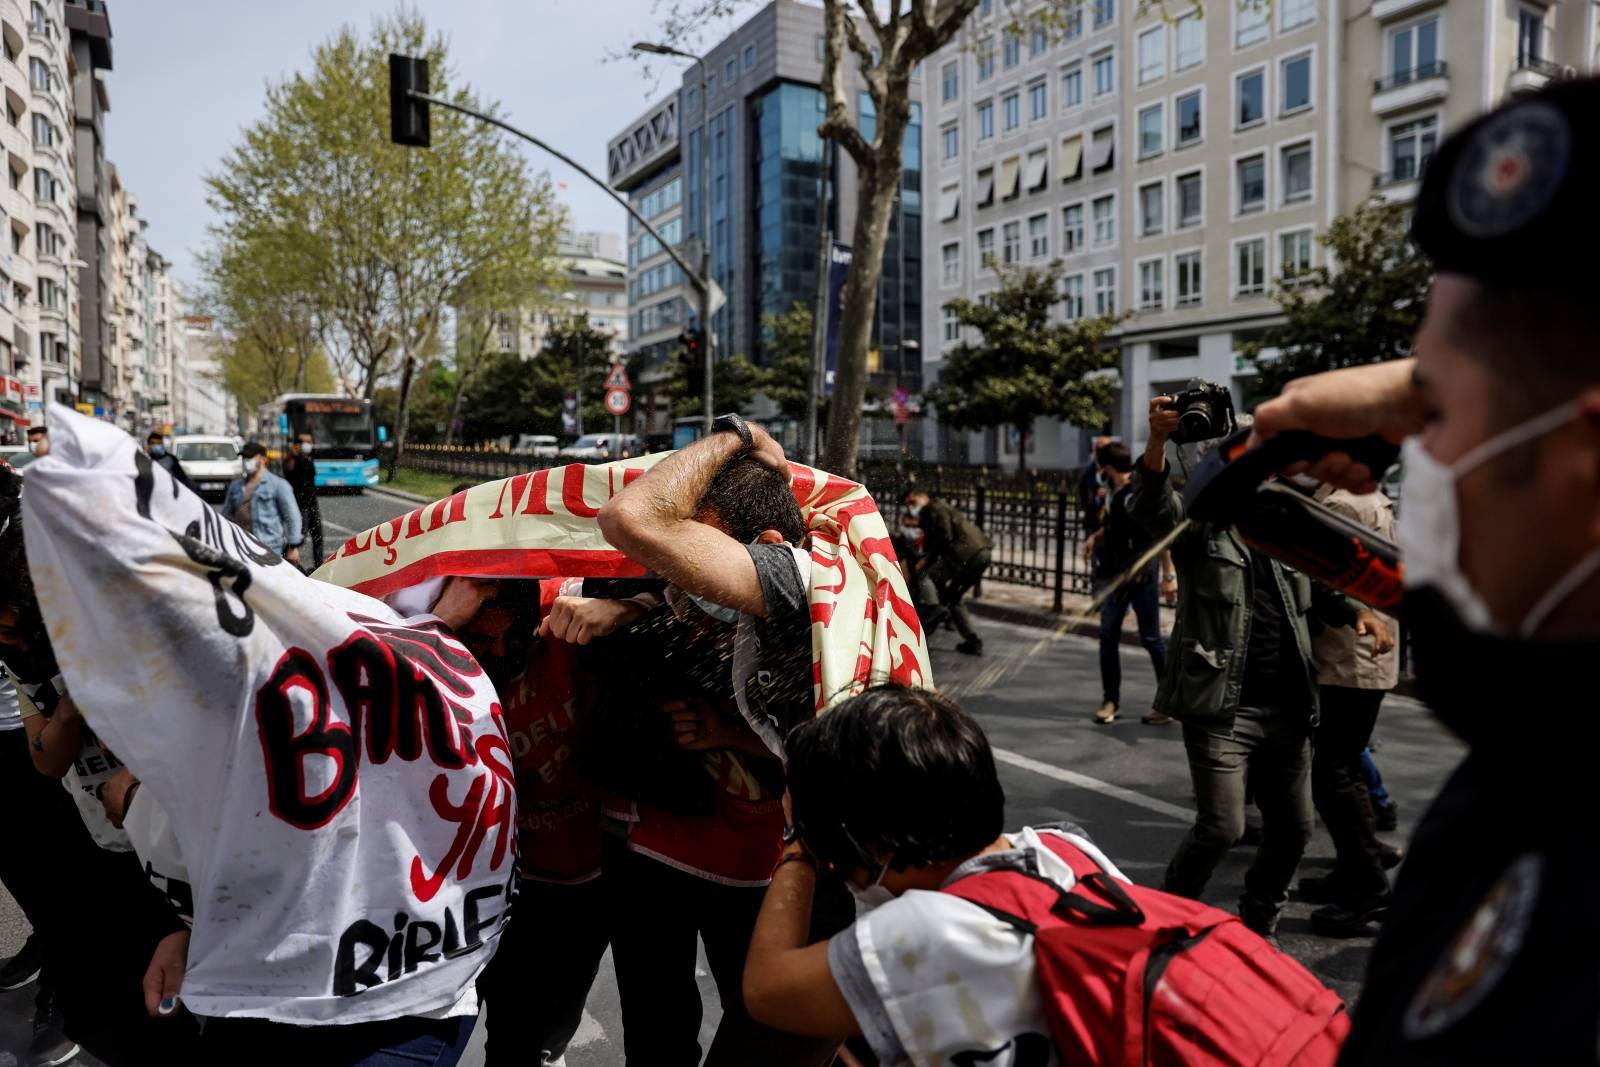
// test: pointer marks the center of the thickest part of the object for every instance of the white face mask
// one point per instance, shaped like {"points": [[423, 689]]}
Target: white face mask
{"points": [[251, 464], [720, 612], [873, 896], [914, 510], [1430, 525], [33, 447]]}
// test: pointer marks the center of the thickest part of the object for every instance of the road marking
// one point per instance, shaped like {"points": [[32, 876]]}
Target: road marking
{"points": [[340, 529], [1083, 781]]}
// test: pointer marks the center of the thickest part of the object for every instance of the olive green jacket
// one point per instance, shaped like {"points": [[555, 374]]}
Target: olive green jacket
{"points": [[948, 534], [1206, 660]]}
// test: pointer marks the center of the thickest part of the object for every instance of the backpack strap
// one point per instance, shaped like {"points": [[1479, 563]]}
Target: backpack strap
{"points": [[1116, 907]]}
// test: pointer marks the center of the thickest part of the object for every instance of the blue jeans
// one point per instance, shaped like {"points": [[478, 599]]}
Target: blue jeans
{"points": [[1144, 596], [1375, 789], [406, 1042]]}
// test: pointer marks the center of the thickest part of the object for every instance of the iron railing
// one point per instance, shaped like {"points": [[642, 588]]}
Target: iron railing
{"points": [[1421, 72]]}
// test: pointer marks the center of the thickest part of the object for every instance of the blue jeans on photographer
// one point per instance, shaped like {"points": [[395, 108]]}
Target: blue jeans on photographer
{"points": [[1143, 595]]}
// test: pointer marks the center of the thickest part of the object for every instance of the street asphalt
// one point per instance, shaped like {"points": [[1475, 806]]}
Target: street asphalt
{"points": [[1035, 693]]}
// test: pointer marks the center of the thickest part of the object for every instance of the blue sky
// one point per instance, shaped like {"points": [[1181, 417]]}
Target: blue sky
{"points": [[189, 75]]}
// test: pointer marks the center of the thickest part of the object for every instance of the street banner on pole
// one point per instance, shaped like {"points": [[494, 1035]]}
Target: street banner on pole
{"points": [[838, 270]]}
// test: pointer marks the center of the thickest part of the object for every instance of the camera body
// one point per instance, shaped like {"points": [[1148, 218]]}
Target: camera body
{"points": [[1205, 412]]}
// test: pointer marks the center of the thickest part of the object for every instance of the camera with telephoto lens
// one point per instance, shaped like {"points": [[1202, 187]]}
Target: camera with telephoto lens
{"points": [[1205, 412]]}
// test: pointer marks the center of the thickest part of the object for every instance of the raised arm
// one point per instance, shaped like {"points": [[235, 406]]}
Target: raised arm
{"points": [[787, 983]]}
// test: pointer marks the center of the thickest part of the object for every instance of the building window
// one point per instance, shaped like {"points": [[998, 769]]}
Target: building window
{"points": [[1104, 146], [1074, 26], [1294, 253], [1012, 47], [1011, 242], [1411, 145], [1152, 54], [986, 8], [1072, 297], [1039, 237], [1105, 291], [1152, 203], [952, 326], [1252, 172], [951, 80], [1187, 109], [1530, 36], [1250, 22], [711, 84], [1071, 88], [42, 131], [1071, 228], [1295, 85], [1150, 127], [1414, 52], [1072, 157], [1151, 287], [39, 74], [1105, 220], [1013, 109], [1038, 101], [1036, 180], [1251, 91], [1187, 267], [1189, 46], [822, 48], [1189, 194], [950, 255], [1296, 173], [1104, 12], [1252, 265], [44, 186], [950, 137], [985, 121], [1105, 75], [730, 72], [749, 57], [986, 187], [986, 59], [1038, 42], [986, 248], [1296, 13], [949, 202]]}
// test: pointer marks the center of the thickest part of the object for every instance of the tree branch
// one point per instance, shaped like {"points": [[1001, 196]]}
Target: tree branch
{"points": [[837, 123]]}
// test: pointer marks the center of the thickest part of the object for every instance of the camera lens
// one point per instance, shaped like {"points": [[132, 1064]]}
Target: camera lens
{"points": [[1196, 420]]}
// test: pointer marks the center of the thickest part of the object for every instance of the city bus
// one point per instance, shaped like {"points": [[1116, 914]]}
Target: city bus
{"points": [[344, 436]]}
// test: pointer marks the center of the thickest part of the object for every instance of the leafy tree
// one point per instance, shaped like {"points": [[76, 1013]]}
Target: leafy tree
{"points": [[511, 396], [735, 382], [789, 381], [1365, 308], [254, 374], [1026, 366]]}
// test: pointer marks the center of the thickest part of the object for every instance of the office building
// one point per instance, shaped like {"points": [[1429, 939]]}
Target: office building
{"points": [[593, 282]]}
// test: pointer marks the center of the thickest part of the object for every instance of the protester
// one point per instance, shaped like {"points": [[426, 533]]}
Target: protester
{"points": [[264, 505], [300, 471], [1484, 955], [1243, 683], [39, 440], [718, 521], [1353, 682], [950, 961], [1092, 488], [156, 447], [1115, 547], [956, 553]]}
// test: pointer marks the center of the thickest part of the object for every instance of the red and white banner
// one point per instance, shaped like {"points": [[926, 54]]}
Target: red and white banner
{"points": [[337, 777], [542, 524]]}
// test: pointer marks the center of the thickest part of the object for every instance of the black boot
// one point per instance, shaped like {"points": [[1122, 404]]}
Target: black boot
{"points": [[1320, 889], [972, 646], [1259, 917], [1349, 920]]}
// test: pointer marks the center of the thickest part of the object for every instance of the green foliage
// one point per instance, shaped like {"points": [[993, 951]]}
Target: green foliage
{"points": [[1026, 366], [254, 374], [511, 396], [789, 380], [1365, 311], [734, 384], [429, 408]]}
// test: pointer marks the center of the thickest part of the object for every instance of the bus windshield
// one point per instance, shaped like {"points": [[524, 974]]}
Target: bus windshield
{"points": [[339, 429]]}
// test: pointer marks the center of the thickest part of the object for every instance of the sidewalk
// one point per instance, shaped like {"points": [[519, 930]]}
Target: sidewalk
{"points": [[1028, 606]]}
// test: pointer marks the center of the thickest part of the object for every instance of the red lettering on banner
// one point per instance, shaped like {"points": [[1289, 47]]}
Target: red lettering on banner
{"points": [[393, 526], [830, 563], [879, 546], [539, 495], [908, 670], [572, 492], [905, 612], [516, 484], [488, 805], [440, 513], [630, 475], [357, 544]]}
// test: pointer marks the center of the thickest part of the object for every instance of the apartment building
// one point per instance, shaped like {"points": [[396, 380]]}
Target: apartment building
{"points": [[204, 406], [1188, 173], [593, 282]]}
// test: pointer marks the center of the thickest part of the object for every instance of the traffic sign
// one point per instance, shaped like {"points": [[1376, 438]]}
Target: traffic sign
{"points": [[618, 378], [618, 401]]}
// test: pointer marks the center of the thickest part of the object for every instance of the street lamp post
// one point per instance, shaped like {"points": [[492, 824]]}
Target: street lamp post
{"points": [[705, 208]]}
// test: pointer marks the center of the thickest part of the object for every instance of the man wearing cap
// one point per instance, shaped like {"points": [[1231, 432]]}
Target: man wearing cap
{"points": [[263, 504], [1487, 954]]}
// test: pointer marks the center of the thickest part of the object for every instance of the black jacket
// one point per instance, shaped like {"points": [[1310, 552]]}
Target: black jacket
{"points": [[174, 468], [301, 474]]}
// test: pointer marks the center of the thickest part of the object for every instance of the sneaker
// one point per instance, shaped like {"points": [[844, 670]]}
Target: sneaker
{"points": [[50, 1046], [972, 646], [1107, 712], [1156, 717], [1390, 856], [1388, 817], [22, 968], [1344, 920]]}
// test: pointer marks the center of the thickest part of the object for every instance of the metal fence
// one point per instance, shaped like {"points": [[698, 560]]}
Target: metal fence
{"points": [[1032, 517]]}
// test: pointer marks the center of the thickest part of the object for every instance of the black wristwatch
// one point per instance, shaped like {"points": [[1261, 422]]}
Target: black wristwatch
{"points": [[733, 423]]}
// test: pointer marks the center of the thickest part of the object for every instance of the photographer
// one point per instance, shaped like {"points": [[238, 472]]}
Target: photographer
{"points": [[1486, 954], [1243, 682]]}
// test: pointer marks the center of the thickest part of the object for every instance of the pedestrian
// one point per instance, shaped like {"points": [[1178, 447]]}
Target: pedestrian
{"points": [[1353, 678], [39, 440], [155, 447], [264, 505], [1485, 954], [300, 471], [955, 555], [1092, 488], [1243, 683], [1115, 547], [718, 522]]}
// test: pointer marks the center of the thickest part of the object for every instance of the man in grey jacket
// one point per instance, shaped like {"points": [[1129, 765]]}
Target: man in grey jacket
{"points": [[263, 504]]}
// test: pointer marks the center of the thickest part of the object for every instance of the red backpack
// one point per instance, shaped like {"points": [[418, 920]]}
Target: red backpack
{"points": [[1134, 976]]}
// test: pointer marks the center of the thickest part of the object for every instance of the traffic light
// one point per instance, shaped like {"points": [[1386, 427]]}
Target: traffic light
{"points": [[408, 116], [694, 363]]}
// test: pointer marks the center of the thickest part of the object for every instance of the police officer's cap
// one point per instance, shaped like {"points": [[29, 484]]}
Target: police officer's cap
{"points": [[1513, 197]]}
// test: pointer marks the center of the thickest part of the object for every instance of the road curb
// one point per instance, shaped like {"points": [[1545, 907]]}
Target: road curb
{"points": [[410, 498]]}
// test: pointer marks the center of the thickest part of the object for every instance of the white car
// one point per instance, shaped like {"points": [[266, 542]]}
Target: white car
{"points": [[210, 462], [603, 447], [542, 445]]}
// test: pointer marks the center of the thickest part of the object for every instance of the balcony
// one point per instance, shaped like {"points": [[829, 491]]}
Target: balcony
{"points": [[1402, 90], [1397, 187], [1388, 10], [1532, 74]]}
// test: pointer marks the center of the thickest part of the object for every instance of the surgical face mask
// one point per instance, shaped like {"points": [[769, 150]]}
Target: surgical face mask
{"points": [[1430, 525], [720, 612], [305, 446], [251, 464], [158, 450], [914, 510], [33, 447], [873, 896]]}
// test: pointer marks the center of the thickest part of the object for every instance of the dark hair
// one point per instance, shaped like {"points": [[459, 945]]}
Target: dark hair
{"points": [[1541, 346], [915, 490], [252, 448], [894, 775], [1116, 456], [37, 429], [750, 498], [156, 435]]}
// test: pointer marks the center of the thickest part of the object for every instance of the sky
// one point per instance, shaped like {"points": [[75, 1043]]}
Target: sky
{"points": [[189, 75]]}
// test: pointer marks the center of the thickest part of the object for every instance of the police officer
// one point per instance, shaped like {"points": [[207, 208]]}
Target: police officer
{"points": [[1488, 954]]}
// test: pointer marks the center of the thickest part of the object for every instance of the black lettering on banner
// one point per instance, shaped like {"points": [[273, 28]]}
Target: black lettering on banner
{"points": [[369, 956], [419, 952], [349, 977], [397, 944], [364, 671], [475, 926], [285, 751]]}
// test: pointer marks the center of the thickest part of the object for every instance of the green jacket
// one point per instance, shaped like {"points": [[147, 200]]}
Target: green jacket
{"points": [[948, 534], [1206, 661]]}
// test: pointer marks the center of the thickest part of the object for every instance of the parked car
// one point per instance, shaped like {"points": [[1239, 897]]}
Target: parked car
{"points": [[603, 447], [542, 445], [16, 455], [210, 462]]}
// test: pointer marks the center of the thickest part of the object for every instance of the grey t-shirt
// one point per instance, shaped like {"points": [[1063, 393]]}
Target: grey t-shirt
{"points": [[772, 655]]}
